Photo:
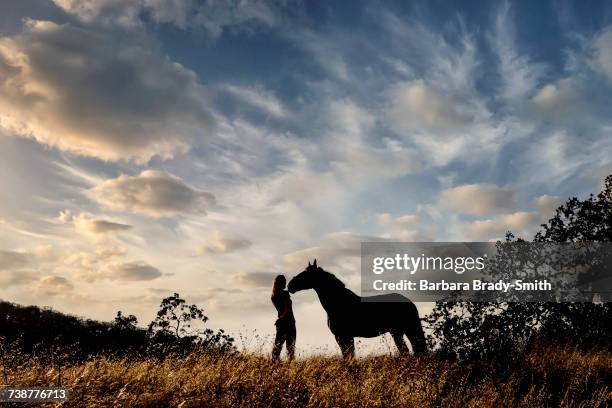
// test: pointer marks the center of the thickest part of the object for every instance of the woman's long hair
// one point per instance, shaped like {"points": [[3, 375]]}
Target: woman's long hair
{"points": [[279, 284]]}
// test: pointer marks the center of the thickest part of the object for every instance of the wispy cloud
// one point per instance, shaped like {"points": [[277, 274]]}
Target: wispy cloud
{"points": [[258, 98]]}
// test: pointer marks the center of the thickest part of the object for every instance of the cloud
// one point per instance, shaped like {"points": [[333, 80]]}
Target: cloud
{"points": [[326, 50], [416, 105], [519, 219], [578, 102], [222, 244], [339, 162], [18, 229], [258, 98], [128, 271], [60, 289], [354, 156], [444, 124], [559, 99], [217, 16], [96, 226], [104, 253], [94, 94], [547, 204], [478, 199], [89, 225], [81, 259], [404, 221], [18, 277], [486, 229], [602, 53], [518, 73], [451, 65], [54, 286], [213, 16], [116, 12], [254, 279], [520, 223], [334, 250], [564, 156], [64, 217], [13, 264], [13, 260], [16, 261], [153, 193], [404, 228], [90, 259], [44, 253]]}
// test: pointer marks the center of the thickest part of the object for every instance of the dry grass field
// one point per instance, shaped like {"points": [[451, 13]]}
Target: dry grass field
{"points": [[544, 376]]}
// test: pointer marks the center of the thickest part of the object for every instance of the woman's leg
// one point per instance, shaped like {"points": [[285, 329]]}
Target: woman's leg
{"points": [[291, 335], [278, 343]]}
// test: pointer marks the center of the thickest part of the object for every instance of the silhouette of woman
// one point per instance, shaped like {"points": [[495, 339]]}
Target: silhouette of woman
{"points": [[285, 324]]}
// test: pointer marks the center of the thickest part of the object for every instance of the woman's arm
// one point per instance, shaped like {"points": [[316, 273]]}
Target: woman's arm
{"points": [[286, 307]]}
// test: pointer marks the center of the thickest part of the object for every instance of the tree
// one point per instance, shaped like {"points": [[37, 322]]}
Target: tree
{"points": [[493, 330], [183, 325], [582, 221], [125, 322], [176, 317]]}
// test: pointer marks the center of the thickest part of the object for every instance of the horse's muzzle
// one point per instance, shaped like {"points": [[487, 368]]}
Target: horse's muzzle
{"points": [[291, 288]]}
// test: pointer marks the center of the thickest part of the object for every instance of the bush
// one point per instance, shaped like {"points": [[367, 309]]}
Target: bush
{"points": [[471, 330]]}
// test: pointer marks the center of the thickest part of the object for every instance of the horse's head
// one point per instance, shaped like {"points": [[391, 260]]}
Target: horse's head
{"points": [[307, 279]]}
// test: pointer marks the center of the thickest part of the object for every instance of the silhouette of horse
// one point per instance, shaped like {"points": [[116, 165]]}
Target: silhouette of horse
{"points": [[349, 317]]}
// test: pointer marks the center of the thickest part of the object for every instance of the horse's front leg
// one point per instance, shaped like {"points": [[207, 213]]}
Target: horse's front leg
{"points": [[347, 346]]}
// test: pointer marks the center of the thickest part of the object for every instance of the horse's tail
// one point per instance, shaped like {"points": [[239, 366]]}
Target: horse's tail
{"points": [[415, 331]]}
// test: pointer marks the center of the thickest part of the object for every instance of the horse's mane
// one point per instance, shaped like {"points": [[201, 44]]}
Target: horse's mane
{"points": [[331, 278], [342, 293]]}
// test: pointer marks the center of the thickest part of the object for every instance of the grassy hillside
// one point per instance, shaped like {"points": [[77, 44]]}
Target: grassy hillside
{"points": [[105, 365], [544, 376]]}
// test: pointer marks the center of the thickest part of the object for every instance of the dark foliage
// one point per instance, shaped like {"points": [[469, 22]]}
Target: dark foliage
{"points": [[581, 221], [179, 326], [33, 330], [473, 330]]}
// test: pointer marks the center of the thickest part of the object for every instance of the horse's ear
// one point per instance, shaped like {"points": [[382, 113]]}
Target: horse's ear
{"points": [[315, 263], [309, 263]]}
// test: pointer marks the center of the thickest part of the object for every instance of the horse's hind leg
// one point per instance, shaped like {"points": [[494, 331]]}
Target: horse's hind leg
{"points": [[398, 338], [347, 346], [417, 338], [414, 331]]}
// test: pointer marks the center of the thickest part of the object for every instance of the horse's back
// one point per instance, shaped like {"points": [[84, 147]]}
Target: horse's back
{"points": [[386, 308], [373, 316], [386, 298]]}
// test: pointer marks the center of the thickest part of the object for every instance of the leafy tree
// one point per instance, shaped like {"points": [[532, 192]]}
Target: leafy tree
{"points": [[125, 322], [581, 221], [179, 325], [176, 317], [493, 330]]}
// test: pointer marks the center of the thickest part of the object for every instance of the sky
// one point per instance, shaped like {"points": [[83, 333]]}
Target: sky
{"points": [[202, 147]]}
